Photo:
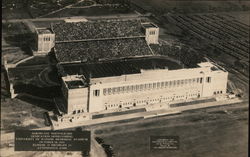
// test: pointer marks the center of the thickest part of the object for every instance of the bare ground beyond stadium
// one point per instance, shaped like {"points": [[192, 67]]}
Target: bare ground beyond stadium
{"points": [[220, 132]]}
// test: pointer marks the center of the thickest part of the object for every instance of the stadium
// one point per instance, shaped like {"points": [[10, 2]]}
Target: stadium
{"points": [[107, 65], [74, 41]]}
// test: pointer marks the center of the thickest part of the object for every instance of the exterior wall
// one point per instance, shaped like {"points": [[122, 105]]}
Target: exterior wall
{"points": [[219, 83], [157, 93], [152, 38], [147, 87], [45, 42], [96, 102], [76, 99], [189, 83]]}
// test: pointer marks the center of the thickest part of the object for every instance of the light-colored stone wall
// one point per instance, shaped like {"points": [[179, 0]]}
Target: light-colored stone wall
{"points": [[44, 46], [195, 84], [152, 38], [76, 98]]}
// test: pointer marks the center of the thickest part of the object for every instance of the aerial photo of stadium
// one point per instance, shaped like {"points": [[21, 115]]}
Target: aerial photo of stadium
{"points": [[133, 67]]}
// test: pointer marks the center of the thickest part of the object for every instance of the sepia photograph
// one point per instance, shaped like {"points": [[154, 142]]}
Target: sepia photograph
{"points": [[125, 78]]}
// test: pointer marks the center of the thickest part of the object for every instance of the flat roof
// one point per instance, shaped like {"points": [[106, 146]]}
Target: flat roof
{"points": [[119, 67], [44, 31], [74, 84], [149, 25]]}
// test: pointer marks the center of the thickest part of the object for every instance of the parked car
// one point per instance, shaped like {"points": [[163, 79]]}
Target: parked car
{"points": [[99, 140], [107, 146]]}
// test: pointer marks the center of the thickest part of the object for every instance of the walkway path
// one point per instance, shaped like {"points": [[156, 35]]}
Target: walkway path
{"points": [[159, 112]]}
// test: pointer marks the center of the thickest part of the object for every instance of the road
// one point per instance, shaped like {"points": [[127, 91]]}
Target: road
{"points": [[62, 18], [160, 112], [136, 129], [96, 149]]}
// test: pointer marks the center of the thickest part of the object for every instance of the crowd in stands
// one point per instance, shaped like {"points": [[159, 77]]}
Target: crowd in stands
{"points": [[188, 57], [91, 50], [97, 30]]}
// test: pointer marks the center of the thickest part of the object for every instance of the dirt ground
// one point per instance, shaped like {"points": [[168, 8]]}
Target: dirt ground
{"points": [[18, 114], [206, 133], [193, 6], [22, 112], [243, 16]]}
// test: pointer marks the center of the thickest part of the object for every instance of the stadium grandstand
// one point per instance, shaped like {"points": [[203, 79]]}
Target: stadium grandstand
{"points": [[100, 29], [101, 49], [91, 40]]}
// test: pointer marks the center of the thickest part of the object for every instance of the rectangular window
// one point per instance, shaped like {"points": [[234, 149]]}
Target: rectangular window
{"points": [[201, 80], [208, 79], [166, 84], [150, 86], [134, 87], [46, 39], [154, 85], [170, 83], [162, 84], [158, 84], [131, 88], [198, 80], [189, 81], [193, 80], [141, 87], [174, 83], [152, 32], [127, 88], [137, 87], [104, 91], [114, 90], [178, 82], [109, 91], [96, 92]]}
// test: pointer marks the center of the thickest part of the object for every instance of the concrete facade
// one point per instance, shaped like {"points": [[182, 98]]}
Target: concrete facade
{"points": [[151, 33], [146, 88], [76, 98], [45, 40]]}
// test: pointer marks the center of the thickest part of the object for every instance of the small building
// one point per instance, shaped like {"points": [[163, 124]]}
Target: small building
{"points": [[151, 32], [44, 41], [75, 92]]}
